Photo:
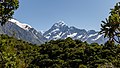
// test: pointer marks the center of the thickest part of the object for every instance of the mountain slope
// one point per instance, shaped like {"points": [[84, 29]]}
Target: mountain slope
{"points": [[22, 31], [58, 31], [61, 31]]}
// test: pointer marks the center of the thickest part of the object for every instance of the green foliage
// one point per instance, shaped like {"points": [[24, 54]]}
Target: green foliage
{"points": [[111, 27], [66, 53], [7, 8]]}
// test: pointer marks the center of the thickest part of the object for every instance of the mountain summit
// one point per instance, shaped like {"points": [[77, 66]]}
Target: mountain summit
{"points": [[59, 24], [60, 30], [22, 25]]}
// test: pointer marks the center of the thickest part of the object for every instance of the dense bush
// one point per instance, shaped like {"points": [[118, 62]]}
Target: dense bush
{"points": [[57, 54]]}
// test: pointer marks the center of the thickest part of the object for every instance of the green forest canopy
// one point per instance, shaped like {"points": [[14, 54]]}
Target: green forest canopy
{"points": [[60, 53]]}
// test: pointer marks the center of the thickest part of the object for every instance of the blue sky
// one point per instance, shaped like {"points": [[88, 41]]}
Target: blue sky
{"points": [[83, 14]]}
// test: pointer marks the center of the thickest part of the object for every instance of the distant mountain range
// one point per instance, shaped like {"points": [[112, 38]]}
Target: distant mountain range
{"points": [[58, 31], [61, 31]]}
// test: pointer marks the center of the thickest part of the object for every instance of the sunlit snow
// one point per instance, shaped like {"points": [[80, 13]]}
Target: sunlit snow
{"points": [[93, 35], [55, 30], [79, 36], [72, 35], [97, 37], [22, 25]]}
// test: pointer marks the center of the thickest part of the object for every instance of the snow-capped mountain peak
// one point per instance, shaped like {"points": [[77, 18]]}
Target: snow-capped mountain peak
{"points": [[22, 25], [22, 31], [61, 31], [60, 23]]}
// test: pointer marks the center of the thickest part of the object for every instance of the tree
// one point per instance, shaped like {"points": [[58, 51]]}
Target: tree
{"points": [[111, 27], [7, 8]]}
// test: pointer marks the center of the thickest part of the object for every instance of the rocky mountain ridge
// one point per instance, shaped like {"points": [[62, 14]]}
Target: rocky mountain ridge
{"points": [[59, 30]]}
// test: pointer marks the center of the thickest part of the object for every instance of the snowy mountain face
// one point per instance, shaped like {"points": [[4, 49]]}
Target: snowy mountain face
{"points": [[58, 31], [22, 31], [21, 25], [61, 31]]}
